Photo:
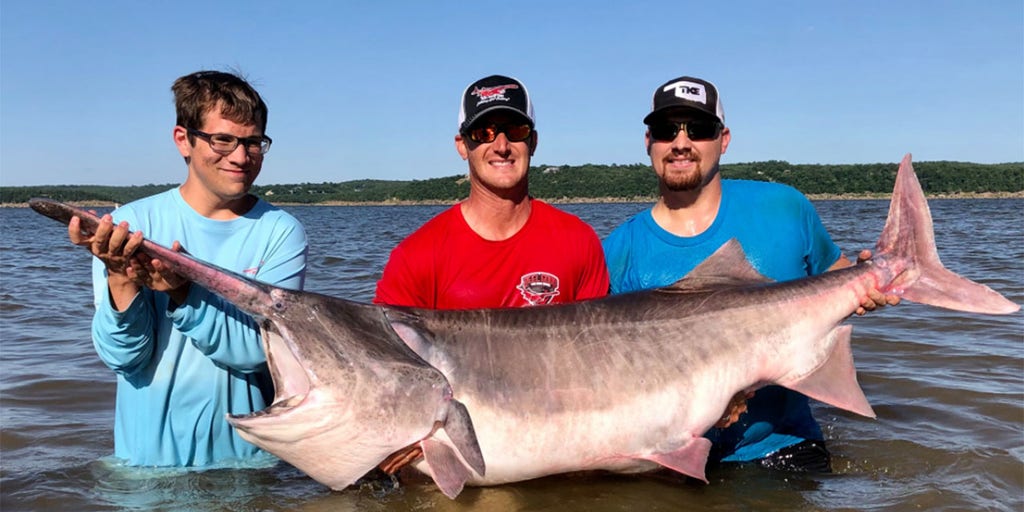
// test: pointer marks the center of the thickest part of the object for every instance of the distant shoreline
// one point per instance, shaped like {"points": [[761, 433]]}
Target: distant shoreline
{"points": [[582, 200]]}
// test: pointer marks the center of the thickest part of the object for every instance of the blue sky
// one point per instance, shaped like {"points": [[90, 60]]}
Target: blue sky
{"points": [[361, 89]]}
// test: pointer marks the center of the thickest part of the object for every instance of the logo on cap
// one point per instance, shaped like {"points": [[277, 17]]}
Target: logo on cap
{"points": [[489, 94], [689, 91]]}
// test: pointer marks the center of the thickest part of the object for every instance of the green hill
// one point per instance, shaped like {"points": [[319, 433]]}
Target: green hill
{"points": [[592, 182]]}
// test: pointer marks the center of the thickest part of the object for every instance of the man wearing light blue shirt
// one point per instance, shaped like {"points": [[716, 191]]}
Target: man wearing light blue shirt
{"points": [[184, 357]]}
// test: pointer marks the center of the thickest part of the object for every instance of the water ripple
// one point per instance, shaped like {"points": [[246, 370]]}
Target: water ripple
{"points": [[948, 389]]}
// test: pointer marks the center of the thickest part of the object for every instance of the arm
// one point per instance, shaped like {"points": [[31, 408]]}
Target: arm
{"points": [[124, 339], [823, 250], [123, 325], [227, 334]]}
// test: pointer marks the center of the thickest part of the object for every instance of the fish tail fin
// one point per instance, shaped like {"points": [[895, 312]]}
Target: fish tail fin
{"points": [[907, 245]]}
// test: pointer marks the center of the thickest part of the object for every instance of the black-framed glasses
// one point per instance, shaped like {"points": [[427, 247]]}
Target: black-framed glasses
{"points": [[225, 143], [696, 130], [514, 132]]}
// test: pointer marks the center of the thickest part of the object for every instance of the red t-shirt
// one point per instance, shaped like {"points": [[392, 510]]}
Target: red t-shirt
{"points": [[555, 258]]}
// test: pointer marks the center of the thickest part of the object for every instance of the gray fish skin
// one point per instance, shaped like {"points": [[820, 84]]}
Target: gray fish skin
{"points": [[631, 382], [348, 391]]}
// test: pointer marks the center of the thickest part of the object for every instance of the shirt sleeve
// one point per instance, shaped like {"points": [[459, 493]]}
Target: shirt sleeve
{"points": [[616, 254], [401, 283], [124, 340], [822, 252], [228, 335], [594, 274]]}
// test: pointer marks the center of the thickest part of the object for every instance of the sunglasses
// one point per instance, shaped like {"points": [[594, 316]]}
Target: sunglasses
{"points": [[696, 130], [516, 132]]}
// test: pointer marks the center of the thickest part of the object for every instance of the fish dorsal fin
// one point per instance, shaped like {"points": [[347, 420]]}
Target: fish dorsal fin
{"points": [[727, 267]]}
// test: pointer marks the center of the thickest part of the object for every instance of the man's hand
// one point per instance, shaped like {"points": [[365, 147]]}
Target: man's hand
{"points": [[127, 270], [875, 298], [113, 245], [737, 406], [400, 459], [156, 275]]}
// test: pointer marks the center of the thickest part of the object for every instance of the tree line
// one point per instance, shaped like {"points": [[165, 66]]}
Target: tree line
{"points": [[590, 181]]}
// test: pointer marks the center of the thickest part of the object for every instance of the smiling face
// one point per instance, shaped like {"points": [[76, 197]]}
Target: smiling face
{"points": [[683, 164], [215, 181], [499, 166]]}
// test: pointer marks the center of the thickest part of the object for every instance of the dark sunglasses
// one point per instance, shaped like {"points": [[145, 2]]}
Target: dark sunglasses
{"points": [[666, 131], [516, 132]]}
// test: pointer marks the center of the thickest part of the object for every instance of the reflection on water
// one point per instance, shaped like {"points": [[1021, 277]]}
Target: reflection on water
{"points": [[947, 388]]}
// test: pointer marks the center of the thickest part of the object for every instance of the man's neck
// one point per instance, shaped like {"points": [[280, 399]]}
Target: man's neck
{"points": [[211, 206], [688, 212], [495, 217]]}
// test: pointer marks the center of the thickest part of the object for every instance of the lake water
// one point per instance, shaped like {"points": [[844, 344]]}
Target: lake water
{"points": [[948, 389]]}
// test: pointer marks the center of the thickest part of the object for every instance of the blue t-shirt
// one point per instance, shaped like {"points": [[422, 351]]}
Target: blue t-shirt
{"points": [[784, 239], [180, 372]]}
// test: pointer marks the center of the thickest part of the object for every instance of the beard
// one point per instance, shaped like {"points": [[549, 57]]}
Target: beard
{"points": [[683, 181]]}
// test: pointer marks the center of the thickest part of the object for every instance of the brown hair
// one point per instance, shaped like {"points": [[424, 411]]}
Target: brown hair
{"points": [[203, 91]]}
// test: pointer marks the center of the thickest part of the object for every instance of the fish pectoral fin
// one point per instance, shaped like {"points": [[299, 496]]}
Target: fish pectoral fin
{"points": [[835, 381], [688, 460], [447, 470], [459, 427]]}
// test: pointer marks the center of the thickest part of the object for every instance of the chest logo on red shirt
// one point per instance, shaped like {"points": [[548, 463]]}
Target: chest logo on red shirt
{"points": [[538, 288]]}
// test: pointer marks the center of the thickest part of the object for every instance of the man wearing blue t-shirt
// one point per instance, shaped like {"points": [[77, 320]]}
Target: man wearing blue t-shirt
{"points": [[185, 357], [695, 214]]}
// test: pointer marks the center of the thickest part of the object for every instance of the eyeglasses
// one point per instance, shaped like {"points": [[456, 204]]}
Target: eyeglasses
{"points": [[696, 130], [487, 133], [224, 144]]}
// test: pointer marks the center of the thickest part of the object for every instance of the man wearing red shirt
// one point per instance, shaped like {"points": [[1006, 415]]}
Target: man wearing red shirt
{"points": [[499, 247]]}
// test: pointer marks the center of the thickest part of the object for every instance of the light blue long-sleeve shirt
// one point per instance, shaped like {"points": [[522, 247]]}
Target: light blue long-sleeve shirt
{"points": [[783, 239], [180, 372]]}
